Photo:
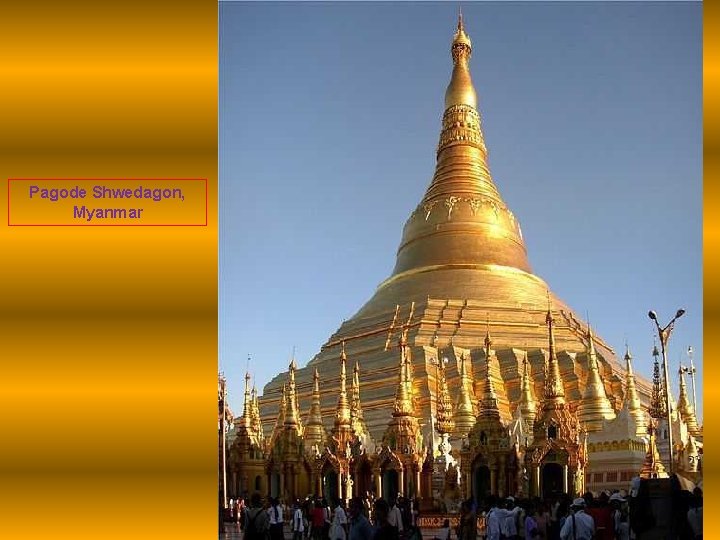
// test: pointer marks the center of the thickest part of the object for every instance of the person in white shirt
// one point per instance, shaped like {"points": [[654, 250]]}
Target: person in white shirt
{"points": [[395, 516], [338, 528], [578, 525], [298, 527], [621, 521], [497, 518], [508, 525], [276, 520]]}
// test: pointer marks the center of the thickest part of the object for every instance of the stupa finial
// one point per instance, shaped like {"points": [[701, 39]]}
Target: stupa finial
{"points": [[527, 403], [342, 417], [632, 399], [594, 406], [464, 411], [554, 390]]}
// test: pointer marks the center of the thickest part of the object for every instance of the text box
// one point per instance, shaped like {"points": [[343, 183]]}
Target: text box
{"points": [[107, 202]]}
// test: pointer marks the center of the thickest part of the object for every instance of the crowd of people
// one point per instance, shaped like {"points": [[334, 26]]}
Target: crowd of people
{"points": [[610, 516]]}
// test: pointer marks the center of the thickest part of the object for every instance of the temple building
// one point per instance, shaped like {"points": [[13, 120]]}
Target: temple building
{"points": [[469, 376]]}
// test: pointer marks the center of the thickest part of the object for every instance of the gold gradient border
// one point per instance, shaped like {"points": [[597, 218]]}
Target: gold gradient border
{"points": [[711, 238], [108, 336]]}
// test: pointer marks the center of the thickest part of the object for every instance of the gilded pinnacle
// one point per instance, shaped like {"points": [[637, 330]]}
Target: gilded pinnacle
{"points": [[356, 413], [403, 395], [489, 404], [314, 434], [652, 466], [685, 408], [632, 400], [464, 413], [342, 417], [445, 422], [594, 406], [554, 391], [292, 417], [527, 402]]}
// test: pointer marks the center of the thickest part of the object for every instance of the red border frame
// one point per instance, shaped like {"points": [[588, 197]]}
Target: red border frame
{"points": [[108, 180]]}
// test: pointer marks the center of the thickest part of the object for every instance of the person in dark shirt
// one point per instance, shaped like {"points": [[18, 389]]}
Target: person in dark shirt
{"points": [[360, 528], [384, 530]]}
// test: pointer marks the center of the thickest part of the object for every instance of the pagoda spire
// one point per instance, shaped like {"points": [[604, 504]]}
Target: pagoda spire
{"points": [[403, 396], [280, 421], [444, 415], [246, 418], [356, 413], [462, 219], [292, 418], [652, 466], [403, 432], [594, 406], [461, 91], [314, 434], [527, 406], [632, 400], [464, 413], [256, 422], [342, 416], [554, 391], [684, 407], [489, 403]]}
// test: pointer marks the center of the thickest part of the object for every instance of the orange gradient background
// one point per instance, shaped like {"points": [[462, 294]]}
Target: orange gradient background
{"points": [[108, 335], [711, 240]]}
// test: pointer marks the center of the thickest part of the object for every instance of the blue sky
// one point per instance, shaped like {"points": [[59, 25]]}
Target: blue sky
{"points": [[329, 119]]}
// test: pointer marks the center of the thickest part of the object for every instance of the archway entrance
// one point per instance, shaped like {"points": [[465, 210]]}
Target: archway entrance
{"points": [[363, 478], [330, 485], [390, 484], [274, 484], [552, 479], [481, 483]]}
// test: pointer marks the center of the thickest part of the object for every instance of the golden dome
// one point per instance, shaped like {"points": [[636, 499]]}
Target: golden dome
{"points": [[461, 259]]}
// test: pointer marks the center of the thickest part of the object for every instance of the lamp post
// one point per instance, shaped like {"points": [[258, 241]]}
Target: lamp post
{"points": [[664, 335]]}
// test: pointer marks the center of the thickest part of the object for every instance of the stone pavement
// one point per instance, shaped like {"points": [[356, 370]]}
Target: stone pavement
{"points": [[233, 532]]}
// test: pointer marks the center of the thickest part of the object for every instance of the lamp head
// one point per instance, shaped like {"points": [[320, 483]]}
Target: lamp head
{"points": [[652, 315], [680, 313]]}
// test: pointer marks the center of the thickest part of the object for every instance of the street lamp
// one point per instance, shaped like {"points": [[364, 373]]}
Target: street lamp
{"points": [[664, 335]]}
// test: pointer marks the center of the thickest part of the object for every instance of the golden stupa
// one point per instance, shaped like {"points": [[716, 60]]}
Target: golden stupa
{"points": [[461, 266]]}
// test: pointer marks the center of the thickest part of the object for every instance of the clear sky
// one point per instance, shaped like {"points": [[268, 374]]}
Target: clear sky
{"points": [[329, 120]]}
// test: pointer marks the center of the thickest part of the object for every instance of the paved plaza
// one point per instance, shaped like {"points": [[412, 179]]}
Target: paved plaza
{"points": [[233, 532]]}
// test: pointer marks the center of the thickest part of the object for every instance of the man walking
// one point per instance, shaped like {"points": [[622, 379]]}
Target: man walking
{"points": [[578, 525]]}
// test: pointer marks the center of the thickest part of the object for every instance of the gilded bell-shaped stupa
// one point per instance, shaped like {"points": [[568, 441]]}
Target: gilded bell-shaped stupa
{"points": [[527, 404], [685, 408], [632, 401], [315, 434], [594, 406], [461, 260], [464, 410]]}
